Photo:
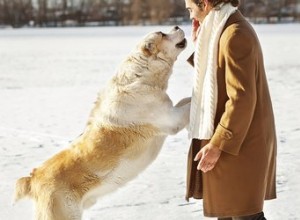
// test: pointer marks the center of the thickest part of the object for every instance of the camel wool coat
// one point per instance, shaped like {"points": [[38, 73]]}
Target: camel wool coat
{"points": [[244, 175]]}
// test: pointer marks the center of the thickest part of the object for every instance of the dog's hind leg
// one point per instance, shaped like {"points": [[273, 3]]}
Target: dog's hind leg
{"points": [[59, 206], [66, 207], [43, 209]]}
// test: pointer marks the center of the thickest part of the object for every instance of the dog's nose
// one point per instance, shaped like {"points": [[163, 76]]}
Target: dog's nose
{"points": [[176, 28]]}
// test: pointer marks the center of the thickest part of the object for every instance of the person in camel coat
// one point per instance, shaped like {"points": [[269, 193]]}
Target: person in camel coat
{"points": [[233, 167]]}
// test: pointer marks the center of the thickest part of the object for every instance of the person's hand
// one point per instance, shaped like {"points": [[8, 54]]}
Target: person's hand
{"points": [[195, 29], [208, 156]]}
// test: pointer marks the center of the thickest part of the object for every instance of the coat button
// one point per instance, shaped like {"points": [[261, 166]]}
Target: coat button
{"points": [[228, 135]]}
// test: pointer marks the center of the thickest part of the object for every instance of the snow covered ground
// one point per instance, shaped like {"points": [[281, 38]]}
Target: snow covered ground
{"points": [[49, 79]]}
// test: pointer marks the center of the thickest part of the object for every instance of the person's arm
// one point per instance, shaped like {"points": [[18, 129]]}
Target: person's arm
{"points": [[240, 78]]}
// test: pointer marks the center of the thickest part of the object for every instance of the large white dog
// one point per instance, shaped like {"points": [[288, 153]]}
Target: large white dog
{"points": [[125, 132]]}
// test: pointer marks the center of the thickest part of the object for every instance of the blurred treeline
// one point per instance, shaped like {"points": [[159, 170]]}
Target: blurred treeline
{"points": [[56, 13]]}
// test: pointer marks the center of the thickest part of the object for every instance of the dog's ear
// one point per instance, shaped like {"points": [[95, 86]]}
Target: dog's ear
{"points": [[149, 48]]}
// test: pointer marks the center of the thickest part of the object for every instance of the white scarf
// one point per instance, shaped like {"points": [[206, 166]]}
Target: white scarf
{"points": [[205, 88]]}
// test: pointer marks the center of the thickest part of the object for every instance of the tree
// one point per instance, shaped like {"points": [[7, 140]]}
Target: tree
{"points": [[160, 11], [15, 12], [41, 19], [136, 11]]}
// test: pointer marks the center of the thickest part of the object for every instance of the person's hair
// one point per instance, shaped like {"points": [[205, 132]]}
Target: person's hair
{"points": [[215, 3]]}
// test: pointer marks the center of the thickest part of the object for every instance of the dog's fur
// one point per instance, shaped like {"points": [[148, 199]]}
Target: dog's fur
{"points": [[125, 132]]}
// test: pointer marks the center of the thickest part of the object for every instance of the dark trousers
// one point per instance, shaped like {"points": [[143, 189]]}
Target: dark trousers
{"points": [[258, 216]]}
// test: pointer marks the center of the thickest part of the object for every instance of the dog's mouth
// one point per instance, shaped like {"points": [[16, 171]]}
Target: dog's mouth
{"points": [[181, 44]]}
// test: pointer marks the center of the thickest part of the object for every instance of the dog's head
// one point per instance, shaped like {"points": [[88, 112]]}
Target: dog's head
{"points": [[151, 62], [166, 46]]}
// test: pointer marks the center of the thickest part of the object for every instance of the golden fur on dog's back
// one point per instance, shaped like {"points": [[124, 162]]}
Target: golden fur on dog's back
{"points": [[83, 156]]}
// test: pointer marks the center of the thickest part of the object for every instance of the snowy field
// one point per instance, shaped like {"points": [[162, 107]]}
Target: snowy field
{"points": [[49, 79]]}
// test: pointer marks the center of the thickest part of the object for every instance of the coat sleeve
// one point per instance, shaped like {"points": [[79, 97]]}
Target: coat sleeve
{"points": [[240, 79]]}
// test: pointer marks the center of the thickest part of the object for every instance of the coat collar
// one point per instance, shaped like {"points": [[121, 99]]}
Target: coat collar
{"points": [[234, 18]]}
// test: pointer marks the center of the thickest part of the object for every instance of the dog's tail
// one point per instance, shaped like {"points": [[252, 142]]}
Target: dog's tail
{"points": [[22, 188]]}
